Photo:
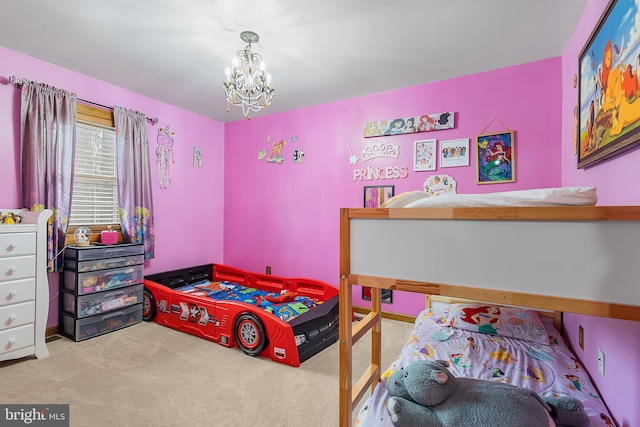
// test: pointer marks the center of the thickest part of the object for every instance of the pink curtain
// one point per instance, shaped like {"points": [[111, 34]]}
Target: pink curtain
{"points": [[48, 126], [134, 178]]}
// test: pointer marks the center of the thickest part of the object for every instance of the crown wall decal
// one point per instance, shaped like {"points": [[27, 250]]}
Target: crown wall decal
{"points": [[380, 149]]}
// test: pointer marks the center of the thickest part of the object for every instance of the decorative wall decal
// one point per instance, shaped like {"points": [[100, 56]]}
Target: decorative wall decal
{"points": [[380, 149], [440, 184], [197, 157], [298, 155], [454, 153], [164, 157], [262, 154], [353, 159], [381, 173], [398, 126], [495, 158], [424, 155], [276, 155]]}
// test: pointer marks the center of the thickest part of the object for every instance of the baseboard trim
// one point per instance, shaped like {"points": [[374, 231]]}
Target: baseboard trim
{"points": [[53, 330], [386, 315]]}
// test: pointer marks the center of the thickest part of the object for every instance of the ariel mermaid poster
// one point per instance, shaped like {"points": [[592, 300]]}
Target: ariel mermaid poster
{"points": [[495, 156]]}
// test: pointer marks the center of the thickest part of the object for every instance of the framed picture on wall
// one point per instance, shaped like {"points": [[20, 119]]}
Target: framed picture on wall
{"points": [[376, 195], [424, 155], [387, 295], [454, 153], [495, 158], [609, 106]]}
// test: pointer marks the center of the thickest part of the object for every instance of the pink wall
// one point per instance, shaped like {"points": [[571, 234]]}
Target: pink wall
{"points": [[287, 215], [188, 215], [615, 180]]}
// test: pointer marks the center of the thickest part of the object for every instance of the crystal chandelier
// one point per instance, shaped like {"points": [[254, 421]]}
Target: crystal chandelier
{"points": [[248, 84]]}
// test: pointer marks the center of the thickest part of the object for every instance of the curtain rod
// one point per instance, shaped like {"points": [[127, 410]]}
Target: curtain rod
{"points": [[19, 82]]}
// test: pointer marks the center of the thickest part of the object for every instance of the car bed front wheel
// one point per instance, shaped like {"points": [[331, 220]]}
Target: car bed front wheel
{"points": [[249, 334]]}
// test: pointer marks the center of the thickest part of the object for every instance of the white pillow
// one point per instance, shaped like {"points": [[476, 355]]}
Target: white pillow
{"points": [[562, 196], [402, 199]]}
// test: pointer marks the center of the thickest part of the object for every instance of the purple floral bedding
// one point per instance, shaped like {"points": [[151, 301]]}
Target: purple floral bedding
{"points": [[545, 368]]}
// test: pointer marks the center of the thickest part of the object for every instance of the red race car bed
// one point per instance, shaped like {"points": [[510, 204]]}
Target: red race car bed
{"points": [[286, 319]]}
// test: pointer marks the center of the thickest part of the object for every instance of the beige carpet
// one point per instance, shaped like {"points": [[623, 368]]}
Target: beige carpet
{"points": [[150, 375]]}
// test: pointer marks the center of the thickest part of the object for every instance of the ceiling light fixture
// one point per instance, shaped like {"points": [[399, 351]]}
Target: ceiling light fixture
{"points": [[248, 84]]}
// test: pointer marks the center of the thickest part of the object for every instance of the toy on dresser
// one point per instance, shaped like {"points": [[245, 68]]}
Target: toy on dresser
{"points": [[10, 218]]}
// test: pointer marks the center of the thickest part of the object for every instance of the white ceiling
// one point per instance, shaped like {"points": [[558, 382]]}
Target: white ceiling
{"points": [[317, 51]]}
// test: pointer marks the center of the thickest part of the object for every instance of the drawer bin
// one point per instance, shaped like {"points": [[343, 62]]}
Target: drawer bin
{"points": [[101, 302], [102, 264], [85, 253], [82, 329], [102, 280]]}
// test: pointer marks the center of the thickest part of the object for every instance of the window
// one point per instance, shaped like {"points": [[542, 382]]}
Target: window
{"points": [[95, 189], [94, 202]]}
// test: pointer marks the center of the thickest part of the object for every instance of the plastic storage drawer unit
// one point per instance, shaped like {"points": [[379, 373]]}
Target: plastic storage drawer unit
{"points": [[102, 289], [102, 280], [89, 327], [101, 302], [101, 264], [85, 253]]}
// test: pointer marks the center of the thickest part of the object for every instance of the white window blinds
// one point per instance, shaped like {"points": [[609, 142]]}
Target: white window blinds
{"points": [[95, 189]]}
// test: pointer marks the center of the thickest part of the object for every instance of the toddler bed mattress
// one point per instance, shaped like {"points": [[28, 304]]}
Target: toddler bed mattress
{"points": [[517, 347], [284, 305]]}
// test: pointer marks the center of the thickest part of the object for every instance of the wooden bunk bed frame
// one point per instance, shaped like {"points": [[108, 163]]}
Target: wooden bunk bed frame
{"points": [[572, 259]]}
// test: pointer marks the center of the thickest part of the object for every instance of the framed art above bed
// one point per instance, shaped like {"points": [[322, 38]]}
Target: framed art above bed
{"points": [[376, 195], [495, 158], [608, 104]]}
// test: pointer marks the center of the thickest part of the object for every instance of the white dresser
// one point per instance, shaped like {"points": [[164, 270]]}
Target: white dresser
{"points": [[24, 286]]}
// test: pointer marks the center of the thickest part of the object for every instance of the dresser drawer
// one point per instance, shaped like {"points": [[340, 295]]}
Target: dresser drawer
{"points": [[81, 253], [17, 338], [17, 314], [102, 280], [15, 268], [17, 291], [101, 302], [102, 264], [89, 327], [16, 244]]}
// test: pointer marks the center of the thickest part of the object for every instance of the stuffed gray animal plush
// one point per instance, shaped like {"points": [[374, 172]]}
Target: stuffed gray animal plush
{"points": [[426, 394]]}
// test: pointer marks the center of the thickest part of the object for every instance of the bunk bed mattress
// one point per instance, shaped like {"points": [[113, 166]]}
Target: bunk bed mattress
{"points": [[544, 368]]}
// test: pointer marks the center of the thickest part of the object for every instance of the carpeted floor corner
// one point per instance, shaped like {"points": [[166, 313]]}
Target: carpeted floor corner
{"points": [[148, 374]]}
